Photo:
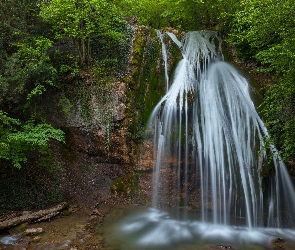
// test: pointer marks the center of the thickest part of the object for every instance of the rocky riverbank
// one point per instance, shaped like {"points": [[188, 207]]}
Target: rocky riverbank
{"points": [[80, 228]]}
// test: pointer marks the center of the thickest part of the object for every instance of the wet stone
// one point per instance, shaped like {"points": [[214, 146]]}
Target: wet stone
{"points": [[36, 239], [278, 244], [33, 231], [279, 240], [224, 247]]}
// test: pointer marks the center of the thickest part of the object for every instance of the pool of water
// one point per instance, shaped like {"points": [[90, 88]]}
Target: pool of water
{"points": [[153, 229]]}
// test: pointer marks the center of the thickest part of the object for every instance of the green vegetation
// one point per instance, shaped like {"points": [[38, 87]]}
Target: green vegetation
{"points": [[49, 47], [17, 141], [82, 21], [264, 31], [125, 185], [32, 186], [180, 14]]}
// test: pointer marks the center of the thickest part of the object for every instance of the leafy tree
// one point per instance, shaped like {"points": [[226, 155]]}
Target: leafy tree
{"points": [[181, 14], [264, 30], [19, 18], [265, 27], [195, 14], [27, 73], [146, 12], [279, 111], [81, 20], [18, 141], [25, 67]]}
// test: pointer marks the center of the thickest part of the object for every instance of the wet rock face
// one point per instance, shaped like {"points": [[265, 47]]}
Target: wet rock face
{"points": [[146, 160], [104, 102], [107, 145], [118, 111], [91, 167], [93, 143]]}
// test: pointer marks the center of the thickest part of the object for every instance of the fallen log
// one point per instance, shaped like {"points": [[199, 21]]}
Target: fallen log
{"points": [[44, 214]]}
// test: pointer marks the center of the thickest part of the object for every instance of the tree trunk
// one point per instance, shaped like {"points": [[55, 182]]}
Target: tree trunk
{"points": [[83, 49], [40, 215], [88, 51]]}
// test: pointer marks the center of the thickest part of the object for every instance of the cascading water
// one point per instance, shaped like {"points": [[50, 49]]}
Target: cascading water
{"points": [[208, 124], [209, 154]]}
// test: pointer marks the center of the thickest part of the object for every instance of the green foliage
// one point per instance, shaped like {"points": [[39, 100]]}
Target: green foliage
{"points": [[181, 14], [146, 12], [196, 14], [114, 52], [264, 30], [279, 112], [19, 141], [82, 20], [18, 19], [264, 26], [27, 73], [65, 105], [32, 68]]}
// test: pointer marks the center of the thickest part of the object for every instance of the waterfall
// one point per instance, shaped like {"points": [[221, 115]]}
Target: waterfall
{"points": [[164, 53], [213, 185], [209, 143]]}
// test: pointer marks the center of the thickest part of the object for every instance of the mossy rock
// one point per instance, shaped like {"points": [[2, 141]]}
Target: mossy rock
{"points": [[147, 84], [66, 212], [125, 185], [17, 229]]}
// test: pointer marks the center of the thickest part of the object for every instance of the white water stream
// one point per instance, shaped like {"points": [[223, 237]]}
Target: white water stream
{"points": [[208, 123], [209, 155]]}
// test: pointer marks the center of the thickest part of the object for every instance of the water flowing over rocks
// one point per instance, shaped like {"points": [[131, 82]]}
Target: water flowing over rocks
{"points": [[208, 154], [208, 123]]}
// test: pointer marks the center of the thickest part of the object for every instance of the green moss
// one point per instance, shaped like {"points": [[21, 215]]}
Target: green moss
{"points": [[147, 84], [17, 229], [66, 212], [125, 185]]}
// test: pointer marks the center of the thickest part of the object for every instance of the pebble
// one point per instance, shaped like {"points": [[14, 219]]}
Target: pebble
{"points": [[33, 231]]}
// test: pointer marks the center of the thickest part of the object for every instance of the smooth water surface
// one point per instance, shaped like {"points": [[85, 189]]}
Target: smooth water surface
{"points": [[143, 229]]}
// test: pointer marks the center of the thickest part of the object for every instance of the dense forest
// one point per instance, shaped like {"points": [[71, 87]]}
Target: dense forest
{"points": [[51, 46]]}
